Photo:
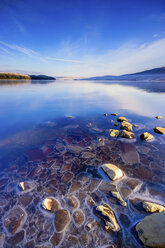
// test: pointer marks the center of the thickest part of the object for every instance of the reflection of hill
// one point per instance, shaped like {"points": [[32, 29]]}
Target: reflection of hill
{"points": [[145, 86]]}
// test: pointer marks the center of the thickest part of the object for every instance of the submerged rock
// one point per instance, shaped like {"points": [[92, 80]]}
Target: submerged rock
{"points": [[127, 134], [62, 219], [2, 239], [151, 230], [73, 202], [26, 186], [51, 204], [17, 238], [105, 114], [153, 207], [14, 220], [135, 125], [146, 136], [56, 238], [112, 171], [116, 124], [78, 217], [129, 153], [121, 119], [114, 114], [114, 132], [160, 130], [108, 216], [118, 197], [158, 117], [126, 126]]}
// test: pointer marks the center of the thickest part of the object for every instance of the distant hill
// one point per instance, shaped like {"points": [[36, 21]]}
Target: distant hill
{"points": [[11, 75], [153, 74], [41, 77]]}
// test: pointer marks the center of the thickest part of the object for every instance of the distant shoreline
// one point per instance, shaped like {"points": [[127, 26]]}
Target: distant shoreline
{"points": [[18, 76]]}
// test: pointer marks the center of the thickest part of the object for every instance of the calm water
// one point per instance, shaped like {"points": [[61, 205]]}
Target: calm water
{"points": [[62, 156]]}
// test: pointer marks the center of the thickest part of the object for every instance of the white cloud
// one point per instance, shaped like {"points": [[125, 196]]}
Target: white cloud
{"points": [[128, 58]]}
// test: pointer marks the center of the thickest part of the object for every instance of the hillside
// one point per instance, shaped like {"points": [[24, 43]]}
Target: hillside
{"points": [[18, 76], [153, 74], [10, 75]]}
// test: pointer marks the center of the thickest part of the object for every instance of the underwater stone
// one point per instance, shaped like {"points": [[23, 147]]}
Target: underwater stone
{"points": [[151, 230], [51, 204], [112, 171], [62, 219]]}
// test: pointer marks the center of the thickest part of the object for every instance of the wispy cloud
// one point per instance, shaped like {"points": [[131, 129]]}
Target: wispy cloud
{"points": [[128, 58], [21, 49]]}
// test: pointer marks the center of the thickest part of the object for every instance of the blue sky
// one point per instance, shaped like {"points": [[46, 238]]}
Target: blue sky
{"points": [[81, 37]]}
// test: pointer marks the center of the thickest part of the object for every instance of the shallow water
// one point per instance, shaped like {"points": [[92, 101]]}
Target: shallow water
{"points": [[62, 156]]}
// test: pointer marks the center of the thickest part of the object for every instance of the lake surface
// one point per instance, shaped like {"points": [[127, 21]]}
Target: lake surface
{"points": [[54, 135]]}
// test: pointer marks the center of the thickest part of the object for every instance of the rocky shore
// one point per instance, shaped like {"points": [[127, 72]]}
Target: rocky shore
{"points": [[83, 185]]}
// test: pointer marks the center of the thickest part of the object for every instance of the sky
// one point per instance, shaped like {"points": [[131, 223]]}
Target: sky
{"points": [[81, 38]]}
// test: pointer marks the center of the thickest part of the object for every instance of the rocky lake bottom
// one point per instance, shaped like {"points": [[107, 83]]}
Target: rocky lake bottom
{"points": [[55, 191]]}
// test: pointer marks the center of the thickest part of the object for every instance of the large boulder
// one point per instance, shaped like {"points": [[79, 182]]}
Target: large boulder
{"points": [[153, 207], [151, 230], [107, 214], [112, 171], [160, 130]]}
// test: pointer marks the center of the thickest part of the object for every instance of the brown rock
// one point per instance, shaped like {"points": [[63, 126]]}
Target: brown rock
{"points": [[67, 177], [78, 217], [112, 171], [114, 132], [17, 238], [72, 241], [117, 195], [62, 220], [129, 153], [151, 230], [126, 126], [51, 204], [74, 187], [160, 130], [2, 239], [15, 219], [133, 183], [108, 216], [26, 186], [106, 187], [56, 238], [113, 114], [121, 119], [73, 202], [127, 134], [25, 200]]}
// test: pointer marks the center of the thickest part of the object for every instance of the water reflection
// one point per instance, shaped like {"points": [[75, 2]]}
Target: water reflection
{"points": [[23, 105]]}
